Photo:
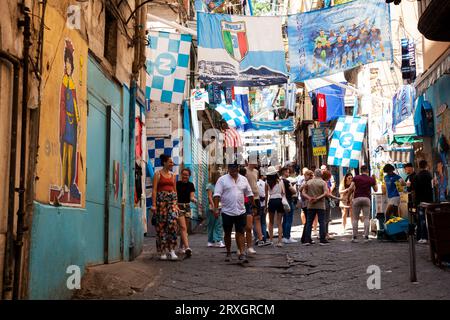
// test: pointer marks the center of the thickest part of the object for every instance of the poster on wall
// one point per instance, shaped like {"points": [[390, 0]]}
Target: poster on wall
{"points": [[327, 41], [319, 141], [63, 125]]}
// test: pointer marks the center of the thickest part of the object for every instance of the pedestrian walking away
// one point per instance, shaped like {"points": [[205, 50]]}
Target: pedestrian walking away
{"points": [[165, 209], [315, 192], [186, 195], [361, 186], [308, 175], [288, 216]]}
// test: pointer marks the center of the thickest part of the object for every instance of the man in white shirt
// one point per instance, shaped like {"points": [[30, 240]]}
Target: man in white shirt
{"points": [[230, 190]]}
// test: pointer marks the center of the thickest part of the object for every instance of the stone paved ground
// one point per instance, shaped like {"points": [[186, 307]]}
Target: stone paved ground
{"points": [[337, 271]]}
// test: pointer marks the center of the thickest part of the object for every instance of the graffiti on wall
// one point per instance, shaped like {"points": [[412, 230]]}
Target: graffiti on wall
{"points": [[69, 131], [62, 171]]}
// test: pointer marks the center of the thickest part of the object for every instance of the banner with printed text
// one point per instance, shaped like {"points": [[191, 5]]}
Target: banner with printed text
{"points": [[241, 50], [327, 41], [319, 141]]}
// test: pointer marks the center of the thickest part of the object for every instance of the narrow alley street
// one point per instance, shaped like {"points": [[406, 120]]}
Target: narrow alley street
{"points": [[294, 272]]}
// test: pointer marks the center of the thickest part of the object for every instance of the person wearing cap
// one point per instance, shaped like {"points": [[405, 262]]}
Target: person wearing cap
{"points": [[230, 190]]}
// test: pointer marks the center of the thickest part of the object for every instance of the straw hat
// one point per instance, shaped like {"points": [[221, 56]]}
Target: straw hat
{"points": [[271, 171]]}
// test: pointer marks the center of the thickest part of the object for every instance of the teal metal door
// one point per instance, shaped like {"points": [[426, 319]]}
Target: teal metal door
{"points": [[95, 189], [115, 243], [104, 164]]}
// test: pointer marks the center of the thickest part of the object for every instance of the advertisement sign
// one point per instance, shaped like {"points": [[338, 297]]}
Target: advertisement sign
{"points": [[319, 141]]}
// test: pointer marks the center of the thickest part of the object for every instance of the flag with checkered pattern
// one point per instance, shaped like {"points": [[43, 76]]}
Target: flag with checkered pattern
{"points": [[346, 145], [167, 66]]}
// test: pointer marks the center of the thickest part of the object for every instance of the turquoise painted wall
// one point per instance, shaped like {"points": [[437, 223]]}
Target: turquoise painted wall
{"points": [[63, 236]]}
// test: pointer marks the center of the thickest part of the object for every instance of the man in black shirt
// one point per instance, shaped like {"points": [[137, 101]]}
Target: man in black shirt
{"points": [[422, 185], [186, 194], [409, 170]]}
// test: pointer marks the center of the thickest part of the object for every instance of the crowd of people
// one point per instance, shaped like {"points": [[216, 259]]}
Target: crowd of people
{"points": [[246, 196]]}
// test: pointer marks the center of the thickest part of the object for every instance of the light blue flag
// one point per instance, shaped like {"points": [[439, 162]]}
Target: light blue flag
{"points": [[331, 40], [279, 125], [345, 148]]}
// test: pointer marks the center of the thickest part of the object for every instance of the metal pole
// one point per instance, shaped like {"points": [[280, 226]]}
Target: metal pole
{"points": [[412, 244]]}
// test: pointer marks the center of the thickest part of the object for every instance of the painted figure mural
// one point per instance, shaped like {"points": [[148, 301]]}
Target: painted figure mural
{"points": [[69, 130]]}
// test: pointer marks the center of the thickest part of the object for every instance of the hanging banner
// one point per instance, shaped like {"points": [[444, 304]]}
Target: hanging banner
{"points": [[346, 146], [278, 125], [241, 50], [403, 104], [335, 39], [408, 67], [319, 141], [198, 99], [167, 65]]}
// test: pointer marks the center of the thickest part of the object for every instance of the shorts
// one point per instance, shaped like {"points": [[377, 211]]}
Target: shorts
{"points": [[249, 208], [276, 205], [185, 210], [395, 201], [239, 223]]}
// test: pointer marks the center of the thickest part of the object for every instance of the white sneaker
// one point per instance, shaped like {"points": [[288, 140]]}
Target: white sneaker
{"points": [[221, 244], [284, 240], [210, 244], [422, 241], [163, 257], [172, 255], [251, 250], [291, 240]]}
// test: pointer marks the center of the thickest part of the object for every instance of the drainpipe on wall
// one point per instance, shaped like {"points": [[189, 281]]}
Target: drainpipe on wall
{"points": [[25, 23], [8, 266]]}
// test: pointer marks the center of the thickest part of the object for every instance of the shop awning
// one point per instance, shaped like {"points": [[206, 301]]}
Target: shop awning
{"points": [[402, 139], [437, 70]]}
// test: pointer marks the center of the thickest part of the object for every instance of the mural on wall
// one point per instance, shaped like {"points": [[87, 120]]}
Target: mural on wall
{"points": [[69, 122], [62, 171]]}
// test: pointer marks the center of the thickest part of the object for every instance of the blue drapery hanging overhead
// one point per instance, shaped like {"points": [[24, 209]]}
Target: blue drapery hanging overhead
{"points": [[279, 125], [187, 136]]}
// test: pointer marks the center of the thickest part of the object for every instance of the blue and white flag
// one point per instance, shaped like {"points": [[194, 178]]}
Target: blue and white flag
{"points": [[240, 50], [167, 66], [232, 113], [338, 38], [346, 145]]}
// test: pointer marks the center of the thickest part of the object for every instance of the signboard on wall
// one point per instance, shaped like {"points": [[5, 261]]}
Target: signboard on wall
{"points": [[159, 127], [319, 141]]}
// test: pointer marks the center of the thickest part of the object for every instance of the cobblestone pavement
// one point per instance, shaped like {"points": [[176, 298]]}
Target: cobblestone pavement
{"points": [[337, 271]]}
